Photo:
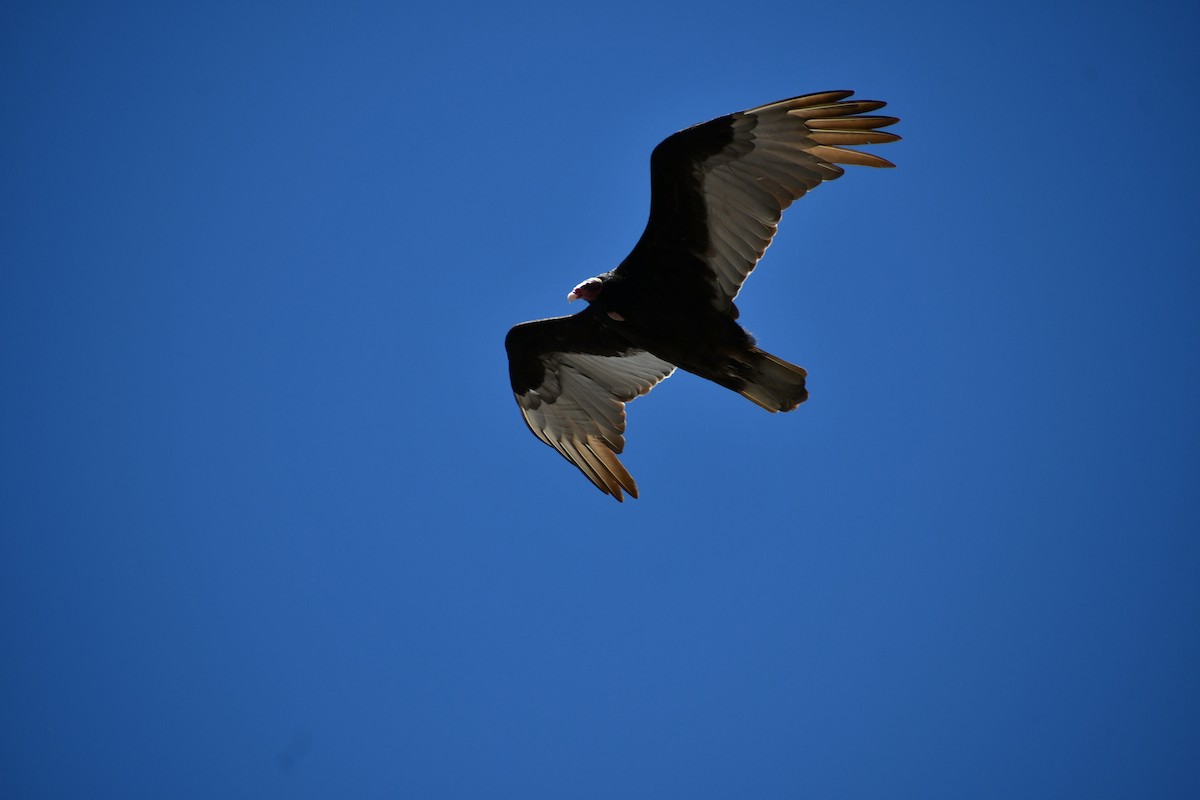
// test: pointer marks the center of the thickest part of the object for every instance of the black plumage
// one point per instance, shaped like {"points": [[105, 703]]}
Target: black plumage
{"points": [[717, 193]]}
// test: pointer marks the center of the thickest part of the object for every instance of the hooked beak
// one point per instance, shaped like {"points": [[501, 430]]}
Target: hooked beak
{"points": [[572, 297]]}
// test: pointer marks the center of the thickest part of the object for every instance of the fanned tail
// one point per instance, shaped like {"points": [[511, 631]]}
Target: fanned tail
{"points": [[773, 383]]}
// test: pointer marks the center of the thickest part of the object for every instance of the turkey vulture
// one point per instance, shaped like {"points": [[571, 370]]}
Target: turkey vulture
{"points": [[717, 193]]}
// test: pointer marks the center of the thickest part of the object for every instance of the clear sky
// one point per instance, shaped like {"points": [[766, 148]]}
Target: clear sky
{"points": [[272, 525]]}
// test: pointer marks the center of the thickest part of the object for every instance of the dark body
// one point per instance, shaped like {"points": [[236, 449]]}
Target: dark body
{"points": [[718, 192], [682, 327]]}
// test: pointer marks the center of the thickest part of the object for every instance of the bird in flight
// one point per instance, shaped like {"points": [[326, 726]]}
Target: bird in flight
{"points": [[717, 192]]}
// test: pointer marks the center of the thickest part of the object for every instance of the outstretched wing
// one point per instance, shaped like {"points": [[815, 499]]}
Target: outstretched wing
{"points": [[718, 189], [572, 379]]}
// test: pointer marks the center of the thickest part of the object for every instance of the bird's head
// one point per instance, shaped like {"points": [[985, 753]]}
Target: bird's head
{"points": [[589, 290]]}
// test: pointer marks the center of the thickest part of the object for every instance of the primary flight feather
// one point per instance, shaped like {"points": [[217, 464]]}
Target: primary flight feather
{"points": [[717, 191]]}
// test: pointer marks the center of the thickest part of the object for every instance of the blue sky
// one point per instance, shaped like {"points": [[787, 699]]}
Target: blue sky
{"points": [[273, 526]]}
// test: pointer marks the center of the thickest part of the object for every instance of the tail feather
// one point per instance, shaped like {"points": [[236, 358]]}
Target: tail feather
{"points": [[772, 382]]}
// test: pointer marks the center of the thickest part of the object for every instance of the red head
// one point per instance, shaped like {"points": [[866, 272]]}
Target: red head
{"points": [[589, 290]]}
